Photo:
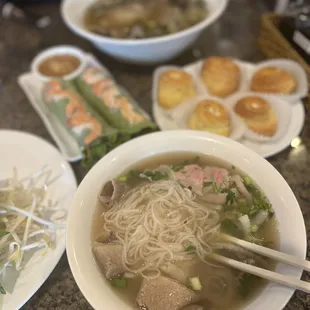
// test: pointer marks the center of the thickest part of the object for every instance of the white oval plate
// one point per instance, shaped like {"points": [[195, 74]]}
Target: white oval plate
{"points": [[265, 149], [29, 154], [291, 225]]}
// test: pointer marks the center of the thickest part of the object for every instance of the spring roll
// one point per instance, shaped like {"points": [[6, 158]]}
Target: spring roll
{"points": [[84, 124], [112, 102]]}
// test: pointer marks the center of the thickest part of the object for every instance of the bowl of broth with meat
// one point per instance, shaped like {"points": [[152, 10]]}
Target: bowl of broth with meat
{"points": [[157, 208], [141, 31]]}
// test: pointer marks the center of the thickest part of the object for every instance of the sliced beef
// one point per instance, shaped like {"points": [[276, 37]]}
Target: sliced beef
{"points": [[191, 176], [164, 293], [215, 174], [181, 271], [112, 191], [193, 307], [106, 236], [109, 257]]}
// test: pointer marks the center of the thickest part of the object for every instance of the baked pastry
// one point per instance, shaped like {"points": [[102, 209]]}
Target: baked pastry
{"points": [[210, 116], [221, 76], [174, 87], [258, 115], [273, 80]]}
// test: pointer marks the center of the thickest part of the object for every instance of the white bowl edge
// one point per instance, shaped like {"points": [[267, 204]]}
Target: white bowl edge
{"points": [[83, 266]]}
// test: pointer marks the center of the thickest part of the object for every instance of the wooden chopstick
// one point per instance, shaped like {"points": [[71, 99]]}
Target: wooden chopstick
{"points": [[276, 255], [263, 273]]}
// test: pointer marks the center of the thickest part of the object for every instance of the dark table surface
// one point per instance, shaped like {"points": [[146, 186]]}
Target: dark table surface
{"points": [[233, 35]]}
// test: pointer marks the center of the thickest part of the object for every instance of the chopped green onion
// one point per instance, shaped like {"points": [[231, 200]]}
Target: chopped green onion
{"points": [[247, 180], [230, 199], [3, 233], [119, 283], [229, 227], [254, 228], [209, 183], [2, 290], [123, 178], [190, 249], [245, 285], [215, 188], [195, 284]]}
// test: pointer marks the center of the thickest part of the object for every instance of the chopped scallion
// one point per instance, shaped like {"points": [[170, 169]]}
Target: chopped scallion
{"points": [[195, 284], [190, 249], [119, 283], [247, 180], [123, 178], [2, 290]]}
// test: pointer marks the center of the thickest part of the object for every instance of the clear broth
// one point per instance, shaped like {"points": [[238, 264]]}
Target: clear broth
{"points": [[268, 231]]}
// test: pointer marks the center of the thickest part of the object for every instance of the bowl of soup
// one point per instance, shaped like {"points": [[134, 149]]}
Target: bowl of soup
{"points": [[148, 216], [141, 31], [63, 62]]}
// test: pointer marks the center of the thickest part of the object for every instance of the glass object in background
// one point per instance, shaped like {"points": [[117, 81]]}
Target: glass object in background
{"points": [[295, 26], [13, 11]]}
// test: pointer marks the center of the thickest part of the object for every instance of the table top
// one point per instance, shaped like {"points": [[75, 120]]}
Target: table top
{"points": [[235, 35]]}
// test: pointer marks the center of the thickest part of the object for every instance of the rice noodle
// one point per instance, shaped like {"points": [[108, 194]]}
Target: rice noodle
{"points": [[156, 222]]}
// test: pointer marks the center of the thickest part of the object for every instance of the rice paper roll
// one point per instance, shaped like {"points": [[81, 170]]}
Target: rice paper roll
{"points": [[84, 124], [112, 101]]}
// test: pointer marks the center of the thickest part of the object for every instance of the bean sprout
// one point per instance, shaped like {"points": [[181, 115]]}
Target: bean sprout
{"points": [[28, 220]]}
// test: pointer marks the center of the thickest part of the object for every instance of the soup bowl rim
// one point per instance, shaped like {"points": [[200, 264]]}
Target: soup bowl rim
{"points": [[83, 31], [288, 213]]}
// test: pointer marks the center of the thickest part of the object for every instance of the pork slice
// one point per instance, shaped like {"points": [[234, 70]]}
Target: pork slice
{"points": [[164, 293], [109, 257], [193, 307]]}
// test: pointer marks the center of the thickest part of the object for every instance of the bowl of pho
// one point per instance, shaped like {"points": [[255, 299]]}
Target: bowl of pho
{"points": [[141, 31], [149, 217]]}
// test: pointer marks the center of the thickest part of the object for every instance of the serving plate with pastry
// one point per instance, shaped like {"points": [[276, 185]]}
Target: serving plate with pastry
{"points": [[257, 104], [212, 114]]}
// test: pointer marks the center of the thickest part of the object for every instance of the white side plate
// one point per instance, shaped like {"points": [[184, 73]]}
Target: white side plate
{"points": [[29, 154]]}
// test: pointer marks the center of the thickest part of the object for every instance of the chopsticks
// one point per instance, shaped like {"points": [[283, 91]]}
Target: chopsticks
{"points": [[263, 273], [276, 255]]}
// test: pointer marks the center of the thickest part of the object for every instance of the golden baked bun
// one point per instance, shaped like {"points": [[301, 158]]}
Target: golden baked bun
{"points": [[258, 115], [221, 76], [174, 87], [273, 80], [210, 116]]}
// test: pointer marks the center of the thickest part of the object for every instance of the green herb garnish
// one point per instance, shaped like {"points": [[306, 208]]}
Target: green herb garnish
{"points": [[247, 180], [206, 184], [3, 233], [2, 290], [259, 201], [229, 227], [119, 283], [231, 197], [245, 284], [190, 249], [215, 188]]}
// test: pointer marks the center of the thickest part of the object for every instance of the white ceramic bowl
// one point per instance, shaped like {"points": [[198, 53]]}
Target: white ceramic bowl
{"points": [[142, 50], [291, 225], [59, 50]]}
